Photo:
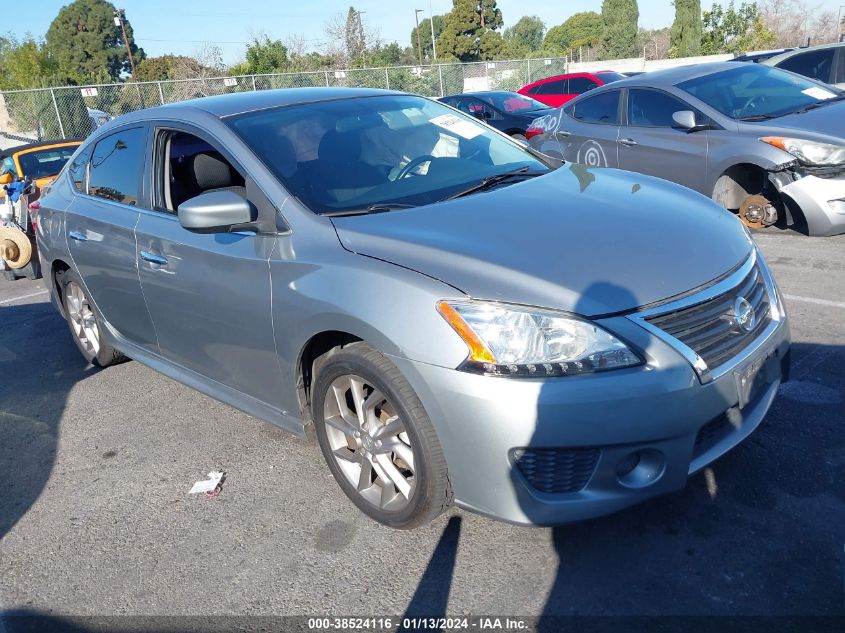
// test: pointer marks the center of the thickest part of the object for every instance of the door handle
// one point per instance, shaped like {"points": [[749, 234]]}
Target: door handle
{"points": [[79, 237], [563, 133], [153, 258], [628, 142]]}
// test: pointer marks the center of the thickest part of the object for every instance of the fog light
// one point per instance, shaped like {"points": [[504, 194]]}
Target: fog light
{"points": [[627, 464], [837, 205], [641, 469]]}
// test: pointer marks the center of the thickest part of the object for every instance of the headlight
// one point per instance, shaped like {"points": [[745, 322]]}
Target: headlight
{"points": [[809, 152], [508, 340]]}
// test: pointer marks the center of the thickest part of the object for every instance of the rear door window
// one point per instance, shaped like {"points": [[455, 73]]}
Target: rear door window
{"points": [[116, 163], [602, 108], [580, 85], [557, 87], [816, 65]]}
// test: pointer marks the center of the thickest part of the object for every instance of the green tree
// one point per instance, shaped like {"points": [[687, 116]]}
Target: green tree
{"points": [[582, 29], [619, 37], [732, 30], [526, 35], [161, 68], [87, 45], [25, 64], [492, 45], [464, 26], [356, 41], [686, 30], [425, 34], [265, 56]]}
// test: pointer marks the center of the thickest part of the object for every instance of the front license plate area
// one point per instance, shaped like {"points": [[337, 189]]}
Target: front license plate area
{"points": [[755, 376]]}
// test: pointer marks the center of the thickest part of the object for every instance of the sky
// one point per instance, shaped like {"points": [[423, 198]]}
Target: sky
{"points": [[181, 26]]}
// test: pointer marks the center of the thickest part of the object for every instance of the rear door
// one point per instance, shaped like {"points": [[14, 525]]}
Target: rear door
{"points": [[100, 227], [650, 143], [589, 129], [208, 293]]}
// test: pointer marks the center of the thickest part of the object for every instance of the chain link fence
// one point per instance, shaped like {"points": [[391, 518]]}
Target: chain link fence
{"points": [[76, 111]]}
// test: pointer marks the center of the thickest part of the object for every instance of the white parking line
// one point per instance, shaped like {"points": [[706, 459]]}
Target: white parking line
{"points": [[820, 302], [22, 297]]}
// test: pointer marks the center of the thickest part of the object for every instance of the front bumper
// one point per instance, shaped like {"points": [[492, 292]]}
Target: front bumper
{"points": [[661, 411], [813, 196]]}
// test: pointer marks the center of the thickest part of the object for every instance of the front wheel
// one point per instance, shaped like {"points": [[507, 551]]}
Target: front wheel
{"points": [[377, 439], [84, 323]]}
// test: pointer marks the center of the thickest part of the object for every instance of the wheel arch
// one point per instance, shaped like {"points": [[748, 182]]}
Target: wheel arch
{"points": [[739, 181], [57, 269]]}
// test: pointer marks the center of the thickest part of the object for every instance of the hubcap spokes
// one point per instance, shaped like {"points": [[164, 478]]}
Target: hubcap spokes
{"points": [[369, 443], [82, 319]]}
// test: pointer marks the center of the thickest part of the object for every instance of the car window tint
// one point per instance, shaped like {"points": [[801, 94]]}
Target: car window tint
{"points": [[8, 167], [650, 108], [602, 108], [77, 169], [812, 64], [115, 166], [580, 85], [553, 88]]}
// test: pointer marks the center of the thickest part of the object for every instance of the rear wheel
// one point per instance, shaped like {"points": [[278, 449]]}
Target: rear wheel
{"points": [[377, 439], [84, 323]]}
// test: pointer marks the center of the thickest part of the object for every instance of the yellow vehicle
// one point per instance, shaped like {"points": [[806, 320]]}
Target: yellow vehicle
{"points": [[39, 162], [24, 171]]}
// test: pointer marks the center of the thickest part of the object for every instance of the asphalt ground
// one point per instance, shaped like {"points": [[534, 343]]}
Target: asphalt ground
{"points": [[95, 516]]}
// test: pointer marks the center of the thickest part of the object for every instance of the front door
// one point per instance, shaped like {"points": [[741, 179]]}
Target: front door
{"points": [[651, 143], [208, 293], [100, 228]]}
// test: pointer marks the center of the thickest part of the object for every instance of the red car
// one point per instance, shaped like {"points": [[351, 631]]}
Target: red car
{"points": [[555, 91]]}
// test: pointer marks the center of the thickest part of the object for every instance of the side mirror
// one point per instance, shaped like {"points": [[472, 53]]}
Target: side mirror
{"points": [[217, 212], [685, 119], [6, 179]]}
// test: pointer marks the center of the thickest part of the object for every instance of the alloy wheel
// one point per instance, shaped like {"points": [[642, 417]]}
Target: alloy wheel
{"points": [[369, 442], [82, 319]]}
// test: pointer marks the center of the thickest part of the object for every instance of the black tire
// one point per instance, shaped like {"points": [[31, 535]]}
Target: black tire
{"points": [[432, 493], [105, 355]]}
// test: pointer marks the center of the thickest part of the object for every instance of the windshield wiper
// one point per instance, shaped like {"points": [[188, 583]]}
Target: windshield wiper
{"points": [[760, 117], [495, 179], [373, 208], [817, 104]]}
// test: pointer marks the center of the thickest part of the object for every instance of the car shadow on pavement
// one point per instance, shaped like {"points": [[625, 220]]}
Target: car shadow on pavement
{"points": [[39, 365], [759, 531]]}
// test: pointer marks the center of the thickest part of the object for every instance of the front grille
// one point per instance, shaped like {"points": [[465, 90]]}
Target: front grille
{"points": [[556, 470], [710, 330]]}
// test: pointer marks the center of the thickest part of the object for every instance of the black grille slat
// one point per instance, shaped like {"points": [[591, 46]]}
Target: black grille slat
{"points": [[556, 470], [707, 327]]}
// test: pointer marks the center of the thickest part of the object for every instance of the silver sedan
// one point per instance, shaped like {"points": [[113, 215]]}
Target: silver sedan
{"points": [[460, 319]]}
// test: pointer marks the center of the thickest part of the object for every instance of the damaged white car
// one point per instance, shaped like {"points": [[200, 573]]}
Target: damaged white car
{"points": [[763, 142]]}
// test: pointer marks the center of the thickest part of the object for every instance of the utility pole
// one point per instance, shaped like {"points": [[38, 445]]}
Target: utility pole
{"points": [[119, 20], [419, 40]]}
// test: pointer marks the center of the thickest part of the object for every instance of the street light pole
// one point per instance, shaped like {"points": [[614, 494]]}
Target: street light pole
{"points": [[419, 40], [433, 43]]}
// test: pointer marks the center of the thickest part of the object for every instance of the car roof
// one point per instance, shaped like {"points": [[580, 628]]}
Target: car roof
{"points": [[771, 61], [672, 76], [237, 103], [32, 146]]}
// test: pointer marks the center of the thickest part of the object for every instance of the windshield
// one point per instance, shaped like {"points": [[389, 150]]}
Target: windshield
{"points": [[754, 91], [350, 154], [510, 102], [46, 162]]}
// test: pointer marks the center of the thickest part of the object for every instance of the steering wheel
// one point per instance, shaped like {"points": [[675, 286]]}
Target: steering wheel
{"points": [[419, 160], [752, 104]]}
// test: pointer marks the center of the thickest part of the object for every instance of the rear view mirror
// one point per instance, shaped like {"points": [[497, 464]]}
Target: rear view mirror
{"points": [[217, 212], [685, 119]]}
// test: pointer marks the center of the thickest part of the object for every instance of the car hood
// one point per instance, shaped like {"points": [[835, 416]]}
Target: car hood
{"points": [[589, 241], [821, 124]]}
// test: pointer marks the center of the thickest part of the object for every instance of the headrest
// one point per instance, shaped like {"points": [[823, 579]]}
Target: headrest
{"points": [[211, 172]]}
